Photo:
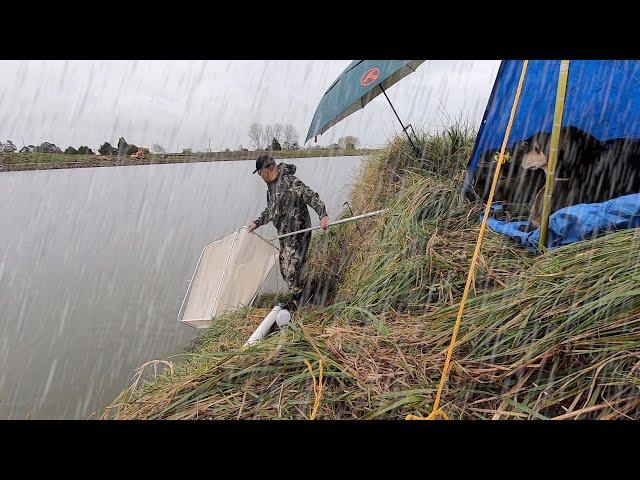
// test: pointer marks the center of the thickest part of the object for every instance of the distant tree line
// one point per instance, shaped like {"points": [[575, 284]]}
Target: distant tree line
{"points": [[269, 137], [44, 147], [344, 143], [7, 147], [122, 149], [273, 137], [81, 150], [285, 137]]}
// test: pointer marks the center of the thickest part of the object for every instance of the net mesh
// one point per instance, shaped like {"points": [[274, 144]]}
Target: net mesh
{"points": [[228, 275]]}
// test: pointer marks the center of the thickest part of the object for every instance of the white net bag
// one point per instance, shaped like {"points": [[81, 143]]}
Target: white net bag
{"points": [[228, 275]]}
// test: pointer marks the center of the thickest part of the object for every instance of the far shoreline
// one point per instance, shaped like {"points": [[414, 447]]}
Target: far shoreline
{"points": [[14, 162]]}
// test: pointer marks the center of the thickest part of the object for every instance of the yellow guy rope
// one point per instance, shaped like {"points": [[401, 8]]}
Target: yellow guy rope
{"points": [[317, 388], [437, 411]]}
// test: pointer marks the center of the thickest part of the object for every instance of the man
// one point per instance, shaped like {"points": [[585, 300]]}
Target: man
{"points": [[287, 200]]}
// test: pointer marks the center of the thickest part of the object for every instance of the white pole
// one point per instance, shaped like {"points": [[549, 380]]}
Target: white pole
{"points": [[264, 326], [344, 220]]}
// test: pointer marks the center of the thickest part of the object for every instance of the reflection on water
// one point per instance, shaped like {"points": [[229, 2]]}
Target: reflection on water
{"points": [[94, 264]]}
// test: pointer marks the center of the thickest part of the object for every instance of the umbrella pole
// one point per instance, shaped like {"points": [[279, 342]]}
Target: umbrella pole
{"points": [[404, 129], [553, 150]]}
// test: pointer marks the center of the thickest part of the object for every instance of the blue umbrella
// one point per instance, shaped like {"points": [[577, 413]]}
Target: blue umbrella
{"points": [[361, 82]]}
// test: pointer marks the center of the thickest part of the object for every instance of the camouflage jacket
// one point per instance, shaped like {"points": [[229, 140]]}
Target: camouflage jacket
{"points": [[287, 200]]}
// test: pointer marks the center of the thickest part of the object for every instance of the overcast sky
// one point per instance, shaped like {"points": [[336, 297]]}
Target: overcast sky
{"points": [[186, 104]]}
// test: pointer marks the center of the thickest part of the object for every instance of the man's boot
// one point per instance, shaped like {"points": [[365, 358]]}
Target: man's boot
{"points": [[294, 303]]}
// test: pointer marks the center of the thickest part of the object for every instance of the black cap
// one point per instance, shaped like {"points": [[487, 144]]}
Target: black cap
{"points": [[264, 161]]}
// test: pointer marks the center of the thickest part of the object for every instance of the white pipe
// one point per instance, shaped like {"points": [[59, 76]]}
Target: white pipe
{"points": [[277, 314], [283, 318], [344, 220], [264, 326]]}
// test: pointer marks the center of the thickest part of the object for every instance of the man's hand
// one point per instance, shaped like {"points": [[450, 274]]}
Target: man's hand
{"points": [[325, 222], [252, 227]]}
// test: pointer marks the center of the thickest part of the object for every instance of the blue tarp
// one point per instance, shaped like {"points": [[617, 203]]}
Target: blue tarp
{"points": [[603, 99], [575, 223]]}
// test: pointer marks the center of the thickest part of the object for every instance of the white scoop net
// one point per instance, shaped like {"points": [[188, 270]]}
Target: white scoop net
{"points": [[228, 275]]}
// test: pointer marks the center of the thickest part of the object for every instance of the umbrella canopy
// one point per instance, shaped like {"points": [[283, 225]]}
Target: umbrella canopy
{"points": [[361, 82]]}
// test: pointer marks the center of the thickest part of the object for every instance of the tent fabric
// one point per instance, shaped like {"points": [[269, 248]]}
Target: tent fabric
{"points": [[228, 275], [575, 223], [351, 91], [602, 98]]}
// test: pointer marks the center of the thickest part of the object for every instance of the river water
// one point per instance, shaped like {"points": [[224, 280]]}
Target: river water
{"points": [[95, 262]]}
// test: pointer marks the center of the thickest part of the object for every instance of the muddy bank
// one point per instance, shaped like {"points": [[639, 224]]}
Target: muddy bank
{"points": [[18, 162]]}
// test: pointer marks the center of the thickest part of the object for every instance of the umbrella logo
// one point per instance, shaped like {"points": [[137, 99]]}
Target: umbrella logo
{"points": [[370, 76]]}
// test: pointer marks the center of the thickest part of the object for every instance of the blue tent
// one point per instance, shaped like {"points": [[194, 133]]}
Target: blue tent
{"points": [[602, 99]]}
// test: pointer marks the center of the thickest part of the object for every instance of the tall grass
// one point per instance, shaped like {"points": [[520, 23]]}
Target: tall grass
{"points": [[554, 336]]}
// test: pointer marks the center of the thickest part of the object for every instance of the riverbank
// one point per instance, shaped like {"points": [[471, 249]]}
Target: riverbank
{"points": [[10, 162], [554, 336]]}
